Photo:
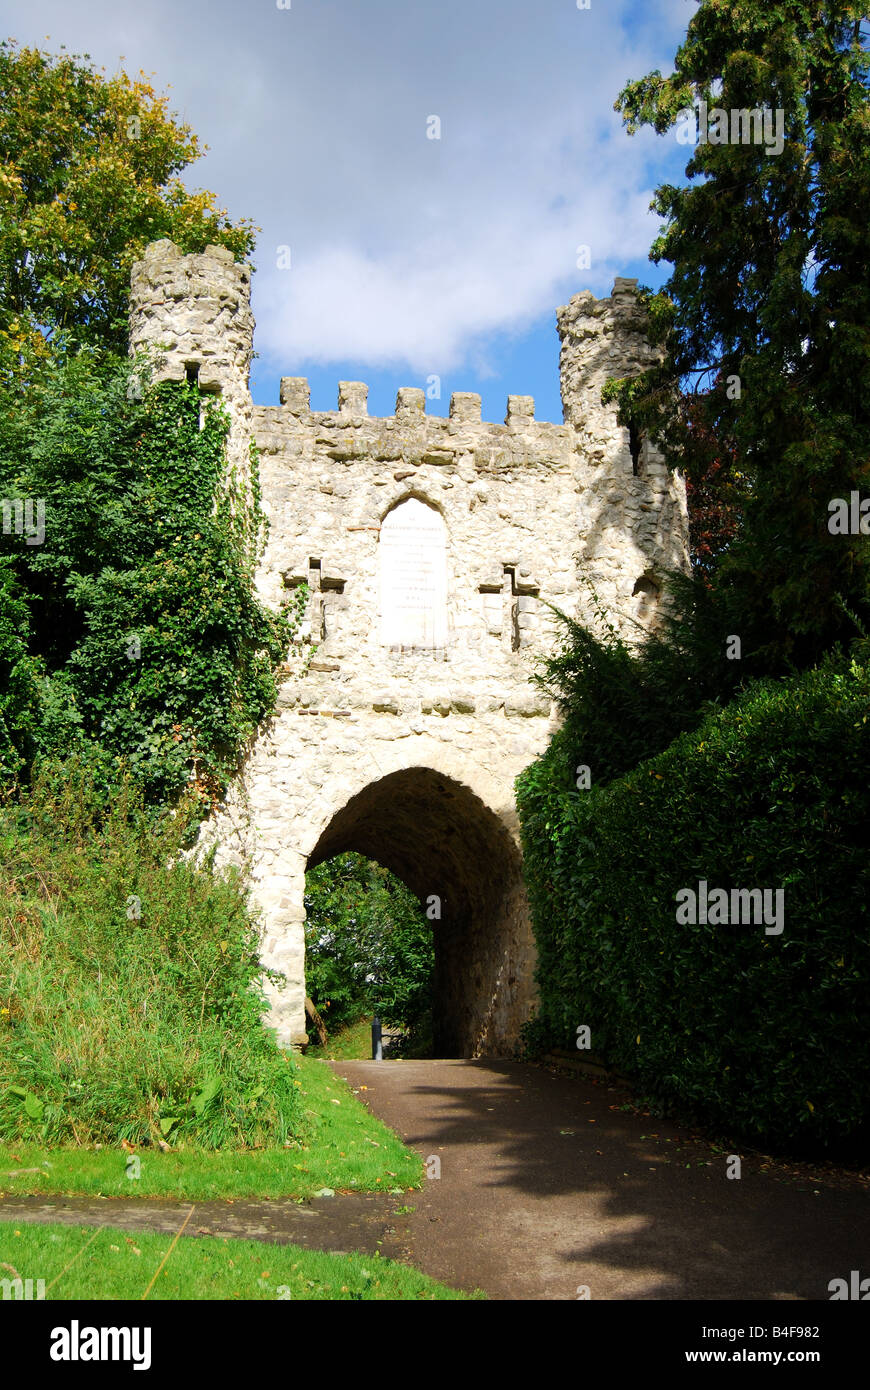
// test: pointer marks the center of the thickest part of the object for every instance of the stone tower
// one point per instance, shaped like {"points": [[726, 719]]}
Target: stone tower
{"points": [[432, 549], [196, 311]]}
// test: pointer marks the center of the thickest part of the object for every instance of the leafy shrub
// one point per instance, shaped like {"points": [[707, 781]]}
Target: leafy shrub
{"points": [[19, 681], [766, 1036], [115, 1025], [623, 701]]}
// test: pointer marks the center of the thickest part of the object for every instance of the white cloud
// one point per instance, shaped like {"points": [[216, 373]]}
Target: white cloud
{"points": [[404, 250]]}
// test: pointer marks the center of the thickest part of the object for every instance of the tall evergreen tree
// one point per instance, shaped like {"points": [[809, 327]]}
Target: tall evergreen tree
{"points": [[765, 319]]}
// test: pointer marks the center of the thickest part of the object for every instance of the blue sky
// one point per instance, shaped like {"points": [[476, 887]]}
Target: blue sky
{"points": [[410, 257]]}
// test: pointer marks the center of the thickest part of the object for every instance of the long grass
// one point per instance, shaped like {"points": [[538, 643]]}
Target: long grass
{"points": [[130, 987], [341, 1145]]}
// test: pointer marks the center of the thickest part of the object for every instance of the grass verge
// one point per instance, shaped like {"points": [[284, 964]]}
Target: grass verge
{"points": [[81, 1263], [349, 1044]]}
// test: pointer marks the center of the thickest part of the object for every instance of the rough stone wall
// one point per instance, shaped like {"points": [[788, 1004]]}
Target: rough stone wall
{"points": [[635, 523], [195, 312], [409, 753]]}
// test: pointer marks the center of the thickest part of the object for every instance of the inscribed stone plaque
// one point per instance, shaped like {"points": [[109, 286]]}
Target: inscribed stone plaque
{"points": [[413, 566]]}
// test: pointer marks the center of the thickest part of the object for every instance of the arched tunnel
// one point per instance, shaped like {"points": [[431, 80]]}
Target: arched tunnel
{"points": [[458, 858]]}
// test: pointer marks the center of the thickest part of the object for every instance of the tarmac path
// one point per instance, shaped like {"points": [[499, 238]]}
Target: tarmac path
{"points": [[548, 1185]]}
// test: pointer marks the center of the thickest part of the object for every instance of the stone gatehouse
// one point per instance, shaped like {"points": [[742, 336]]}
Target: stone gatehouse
{"points": [[432, 548]]}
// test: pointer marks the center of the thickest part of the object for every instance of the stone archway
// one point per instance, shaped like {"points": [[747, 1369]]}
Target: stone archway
{"points": [[458, 857]]}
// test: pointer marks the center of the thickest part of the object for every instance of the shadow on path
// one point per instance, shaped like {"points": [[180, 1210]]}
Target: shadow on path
{"points": [[547, 1185]]}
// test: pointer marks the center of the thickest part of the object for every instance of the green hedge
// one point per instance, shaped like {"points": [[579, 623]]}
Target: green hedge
{"points": [[765, 1036]]}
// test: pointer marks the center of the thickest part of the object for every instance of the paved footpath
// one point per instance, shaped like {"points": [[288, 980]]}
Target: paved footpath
{"points": [[547, 1184]]}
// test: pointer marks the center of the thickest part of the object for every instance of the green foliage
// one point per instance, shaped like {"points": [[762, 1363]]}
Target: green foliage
{"points": [[764, 1036], [88, 178], [19, 681], [369, 946], [130, 990], [769, 288], [621, 703], [141, 601]]}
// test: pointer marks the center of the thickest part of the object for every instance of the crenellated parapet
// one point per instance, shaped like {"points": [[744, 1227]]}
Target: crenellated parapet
{"points": [[411, 431], [295, 398]]}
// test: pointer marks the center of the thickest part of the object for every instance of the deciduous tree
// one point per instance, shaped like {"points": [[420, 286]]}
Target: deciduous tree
{"points": [[89, 169]]}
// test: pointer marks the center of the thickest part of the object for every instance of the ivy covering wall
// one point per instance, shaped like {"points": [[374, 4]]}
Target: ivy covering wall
{"points": [[135, 635]]}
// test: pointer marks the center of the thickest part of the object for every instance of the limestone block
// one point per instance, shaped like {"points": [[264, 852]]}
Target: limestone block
{"points": [[462, 701], [295, 394], [520, 411], [465, 405], [352, 398], [436, 704], [385, 703], [410, 404], [527, 705]]}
